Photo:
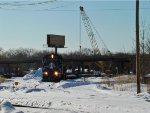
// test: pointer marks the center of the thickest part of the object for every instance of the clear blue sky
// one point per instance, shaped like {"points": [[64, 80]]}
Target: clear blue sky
{"points": [[26, 24]]}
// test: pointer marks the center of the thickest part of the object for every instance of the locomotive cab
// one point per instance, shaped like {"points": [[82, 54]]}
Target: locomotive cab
{"points": [[52, 68]]}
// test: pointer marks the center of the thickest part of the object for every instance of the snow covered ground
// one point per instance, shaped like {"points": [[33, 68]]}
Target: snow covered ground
{"points": [[68, 96]]}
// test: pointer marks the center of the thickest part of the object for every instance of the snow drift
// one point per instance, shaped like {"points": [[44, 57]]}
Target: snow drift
{"points": [[37, 74], [7, 107]]}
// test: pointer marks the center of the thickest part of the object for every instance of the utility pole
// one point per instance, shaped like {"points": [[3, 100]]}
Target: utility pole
{"points": [[142, 58], [143, 50], [137, 48]]}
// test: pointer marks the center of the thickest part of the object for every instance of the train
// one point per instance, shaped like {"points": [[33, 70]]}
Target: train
{"points": [[53, 69]]}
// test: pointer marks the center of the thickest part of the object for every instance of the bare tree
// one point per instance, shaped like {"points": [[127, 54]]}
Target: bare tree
{"points": [[1, 52]]}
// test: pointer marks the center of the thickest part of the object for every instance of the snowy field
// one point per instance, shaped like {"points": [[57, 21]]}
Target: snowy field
{"points": [[67, 96]]}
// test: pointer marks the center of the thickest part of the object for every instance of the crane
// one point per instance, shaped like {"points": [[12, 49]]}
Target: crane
{"points": [[89, 29]]}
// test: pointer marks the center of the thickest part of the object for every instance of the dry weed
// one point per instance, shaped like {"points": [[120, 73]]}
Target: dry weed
{"points": [[125, 79], [2, 79]]}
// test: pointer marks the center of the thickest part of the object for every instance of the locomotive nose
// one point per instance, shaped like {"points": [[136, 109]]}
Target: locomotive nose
{"points": [[52, 66]]}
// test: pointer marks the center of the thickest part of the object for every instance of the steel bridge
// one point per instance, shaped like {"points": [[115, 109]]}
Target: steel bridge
{"points": [[77, 60], [69, 59]]}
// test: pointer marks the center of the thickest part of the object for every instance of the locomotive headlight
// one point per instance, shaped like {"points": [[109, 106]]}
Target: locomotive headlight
{"points": [[56, 73], [52, 56], [45, 73]]}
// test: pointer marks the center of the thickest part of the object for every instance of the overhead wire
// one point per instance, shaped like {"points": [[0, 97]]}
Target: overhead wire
{"points": [[17, 4], [25, 3], [68, 10], [38, 3]]}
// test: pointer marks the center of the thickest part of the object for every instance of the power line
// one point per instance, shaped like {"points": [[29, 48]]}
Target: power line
{"points": [[41, 3], [25, 3], [67, 10], [18, 4]]}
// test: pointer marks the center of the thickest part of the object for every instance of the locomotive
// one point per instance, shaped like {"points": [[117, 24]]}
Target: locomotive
{"points": [[53, 68]]}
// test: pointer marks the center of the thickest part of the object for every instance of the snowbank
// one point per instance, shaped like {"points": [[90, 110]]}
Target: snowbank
{"points": [[82, 95], [144, 95], [36, 74], [148, 75], [7, 107], [73, 83]]}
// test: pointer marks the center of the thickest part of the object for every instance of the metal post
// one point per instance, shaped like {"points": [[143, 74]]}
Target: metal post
{"points": [[56, 50], [137, 48]]}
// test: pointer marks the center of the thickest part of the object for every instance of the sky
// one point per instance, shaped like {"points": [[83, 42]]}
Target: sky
{"points": [[26, 23]]}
